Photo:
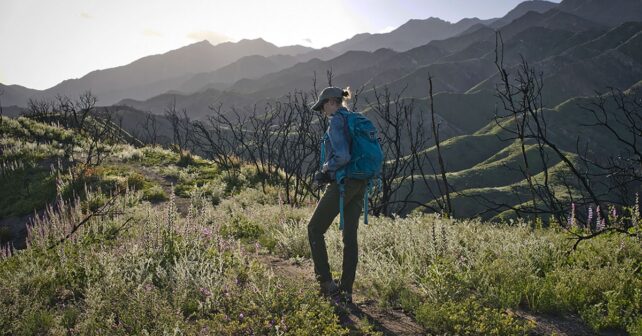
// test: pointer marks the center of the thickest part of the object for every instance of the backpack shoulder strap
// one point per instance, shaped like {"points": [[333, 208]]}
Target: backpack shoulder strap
{"points": [[346, 127], [322, 156]]}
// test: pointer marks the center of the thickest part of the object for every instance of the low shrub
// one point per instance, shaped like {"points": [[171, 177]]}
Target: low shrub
{"points": [[155, 194], [469, 317], [136, 181], [239, 227]]}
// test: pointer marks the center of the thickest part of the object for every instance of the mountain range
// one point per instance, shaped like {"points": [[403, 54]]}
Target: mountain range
{"points": [[153, 75], [186, 68], [578, 46]]}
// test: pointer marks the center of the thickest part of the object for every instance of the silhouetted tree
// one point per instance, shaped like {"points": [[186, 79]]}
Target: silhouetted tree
{"points": [[588, 180], [1, 111], [442, 167], [402, 136], [181, 127], [150, 127]]}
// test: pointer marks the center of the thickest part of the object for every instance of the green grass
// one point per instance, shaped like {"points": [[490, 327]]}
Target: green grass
{"points": [[155, 194], [25, 191], [147, 269], [461, 276], [27, 129], [463, 152], [143, 277]]}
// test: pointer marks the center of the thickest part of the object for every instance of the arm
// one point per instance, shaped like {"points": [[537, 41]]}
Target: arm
{"points": [[341, 151]]}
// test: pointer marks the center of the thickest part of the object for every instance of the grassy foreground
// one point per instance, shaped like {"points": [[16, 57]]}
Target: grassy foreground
{"points": [[155, 263]]}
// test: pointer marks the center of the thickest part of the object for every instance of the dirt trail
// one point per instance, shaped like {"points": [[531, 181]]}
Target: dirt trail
{"points": [[366, 311], [395, 322], [389, 322], [182, 204]]}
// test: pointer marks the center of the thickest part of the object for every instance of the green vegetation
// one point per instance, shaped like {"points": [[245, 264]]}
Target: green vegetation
{"points": [[462, 276], [26, 190], [29, 151], [150, 271], [146, 267], [155, 194]]}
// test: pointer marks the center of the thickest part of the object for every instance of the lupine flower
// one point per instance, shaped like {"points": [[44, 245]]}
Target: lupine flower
{"points": [[205, 292], [636, 208], [207, 233], [598, 216], [571, 219], [590, 217], [614, 213], [601, 224]]}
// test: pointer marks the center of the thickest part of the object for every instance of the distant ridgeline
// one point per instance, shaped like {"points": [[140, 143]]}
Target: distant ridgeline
{"points": [[532, 111]]}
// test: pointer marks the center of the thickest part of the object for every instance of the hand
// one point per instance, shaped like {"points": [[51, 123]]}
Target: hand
{"points": [[321, 178]]}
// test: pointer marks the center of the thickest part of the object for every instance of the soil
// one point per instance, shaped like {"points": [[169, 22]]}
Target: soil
{"points": [[363, 311], [397, 322]]}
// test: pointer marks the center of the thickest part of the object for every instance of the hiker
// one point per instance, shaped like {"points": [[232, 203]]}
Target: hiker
{"points": [[337, 155]]}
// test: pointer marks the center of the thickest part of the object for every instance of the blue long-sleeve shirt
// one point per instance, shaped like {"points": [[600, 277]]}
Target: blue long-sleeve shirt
{"points": [[337, 145]]}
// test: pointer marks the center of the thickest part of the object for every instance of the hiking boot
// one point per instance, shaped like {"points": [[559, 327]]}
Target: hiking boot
{"points": [[330, 289], [346, 297]]}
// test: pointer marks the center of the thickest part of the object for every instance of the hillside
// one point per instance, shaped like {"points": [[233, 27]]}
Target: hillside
{"points": [[577, 55], [485, 169], [250, 67], [197, 104], [407, 36], [458, 63], [158, 241], [612, 14], [521, 9]]}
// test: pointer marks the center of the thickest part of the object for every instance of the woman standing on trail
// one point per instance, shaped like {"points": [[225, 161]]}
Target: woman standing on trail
{"points": [[337, 154]]}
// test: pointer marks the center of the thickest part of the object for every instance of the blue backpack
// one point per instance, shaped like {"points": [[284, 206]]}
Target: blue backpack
{"points": [[366, 157]]}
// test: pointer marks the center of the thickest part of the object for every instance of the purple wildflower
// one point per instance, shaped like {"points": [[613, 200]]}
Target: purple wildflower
{"points": [[601, 224], [590, 217], [205, 292], [285, 326], [207, 233], [571, 219]]}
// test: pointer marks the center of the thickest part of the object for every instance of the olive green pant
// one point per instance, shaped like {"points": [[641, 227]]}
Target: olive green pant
{"points": [[325, 212]]}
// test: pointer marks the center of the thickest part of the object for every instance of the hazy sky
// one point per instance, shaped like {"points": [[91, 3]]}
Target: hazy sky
{"points": [[44, 42]]}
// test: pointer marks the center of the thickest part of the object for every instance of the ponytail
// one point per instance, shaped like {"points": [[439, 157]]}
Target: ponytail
{"points": [[347, 95]]}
